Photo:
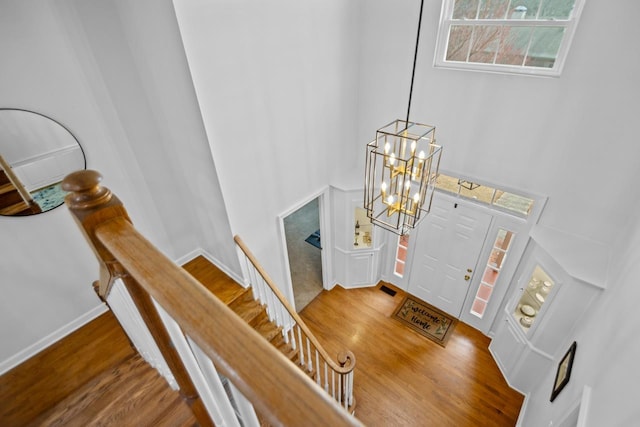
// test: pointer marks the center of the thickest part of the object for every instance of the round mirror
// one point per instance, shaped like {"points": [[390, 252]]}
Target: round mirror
{"points": [[36, 153]]}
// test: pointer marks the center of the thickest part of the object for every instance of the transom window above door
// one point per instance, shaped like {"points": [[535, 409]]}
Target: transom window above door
{"points": [[515, 204], [509, 36]]}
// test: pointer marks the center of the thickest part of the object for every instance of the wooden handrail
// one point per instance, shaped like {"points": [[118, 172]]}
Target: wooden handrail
{"points": [[346, 359], [24, 194], [280, 391]]}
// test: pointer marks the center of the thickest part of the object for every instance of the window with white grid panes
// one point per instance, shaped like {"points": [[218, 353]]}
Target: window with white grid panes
{"points": [[491, 272], [512, 203], [401, 255], [510, 36]]}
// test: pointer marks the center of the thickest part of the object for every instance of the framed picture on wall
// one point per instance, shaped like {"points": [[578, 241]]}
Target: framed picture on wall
{"points": [[564, 371]]}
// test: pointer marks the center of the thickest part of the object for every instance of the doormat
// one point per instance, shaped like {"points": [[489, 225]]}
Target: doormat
{"points": [[314, 239], [425, 319]]}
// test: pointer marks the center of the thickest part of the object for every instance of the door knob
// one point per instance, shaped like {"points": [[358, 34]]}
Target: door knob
{"points": [[467, 277], [469, 270]]}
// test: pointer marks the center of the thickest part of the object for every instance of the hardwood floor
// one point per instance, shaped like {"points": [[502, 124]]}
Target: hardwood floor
{"points": [[91, 377], [404, 379], [401, 378], [39, 383], [130, 394]]}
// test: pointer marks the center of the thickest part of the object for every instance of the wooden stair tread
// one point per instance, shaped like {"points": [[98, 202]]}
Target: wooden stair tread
{"points": [[3, 177], [266, 327], [7, 187], [214, 279], [128, 394], [11, 202], [14, 209], [242, 302], [247, 308]]}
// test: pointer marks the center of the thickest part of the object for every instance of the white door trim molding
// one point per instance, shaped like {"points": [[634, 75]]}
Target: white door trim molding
{"points": [[324, 218]]}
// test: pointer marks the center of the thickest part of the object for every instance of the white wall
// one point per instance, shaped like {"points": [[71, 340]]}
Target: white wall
{"points": [[275, 83], [571, 138], [114, 73], [607, 353], [290, 93], [46, 269]]}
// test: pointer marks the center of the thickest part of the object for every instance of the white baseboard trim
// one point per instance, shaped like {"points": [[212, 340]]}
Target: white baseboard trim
{"points": [[191, 255], [50, 339], [77, 323], [523, 410]]}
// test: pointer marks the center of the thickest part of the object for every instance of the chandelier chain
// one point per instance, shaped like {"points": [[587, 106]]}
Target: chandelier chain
{"points": [[415, 59]]}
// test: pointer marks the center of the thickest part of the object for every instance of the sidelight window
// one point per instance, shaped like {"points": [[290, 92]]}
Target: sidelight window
{"points": [[401, 255], [492, 270]]}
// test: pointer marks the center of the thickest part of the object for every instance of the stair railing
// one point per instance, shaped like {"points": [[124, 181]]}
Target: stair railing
{"points": [[335, 377], [279, 391], [17, 184]]}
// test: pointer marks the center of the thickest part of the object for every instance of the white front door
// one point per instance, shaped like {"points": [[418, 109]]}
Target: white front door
{"points": [[447, 248]]}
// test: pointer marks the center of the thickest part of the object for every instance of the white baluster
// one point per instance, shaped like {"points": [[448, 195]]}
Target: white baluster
{"points": [[262, 297], [292, 331], [310, 362], [333, 383], [250, 273], [317, 367], [345, 379], [284, 316], [255, 286], [278, 311], [268, 300], [326, 377], [351, 387], [285, 334], [273, 303], [301, 348]]}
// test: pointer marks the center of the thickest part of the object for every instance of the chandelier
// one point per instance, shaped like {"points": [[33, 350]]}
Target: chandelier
{"points": [[401, 169]]}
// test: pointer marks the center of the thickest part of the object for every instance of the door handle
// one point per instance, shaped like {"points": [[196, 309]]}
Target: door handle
{"points": [[469, 270], [467, 277]]}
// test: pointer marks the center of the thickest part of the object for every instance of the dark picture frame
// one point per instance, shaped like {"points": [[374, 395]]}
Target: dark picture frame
{"points": [[563, 374]]}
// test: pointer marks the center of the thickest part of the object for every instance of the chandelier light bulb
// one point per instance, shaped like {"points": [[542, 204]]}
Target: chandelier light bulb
{"points": [[387, 147]]}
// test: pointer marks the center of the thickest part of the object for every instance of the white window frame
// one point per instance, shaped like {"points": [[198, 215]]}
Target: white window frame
{"points": [[446, 22], [398, 260]]}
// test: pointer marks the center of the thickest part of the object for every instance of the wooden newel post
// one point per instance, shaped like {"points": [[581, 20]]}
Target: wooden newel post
{"points": [[93, 207], [346, 359]]}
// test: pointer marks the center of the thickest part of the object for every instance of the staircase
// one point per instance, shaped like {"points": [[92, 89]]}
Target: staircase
{"points": [[131, 392], [199, 335], [243, 303], [12, 200]]}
